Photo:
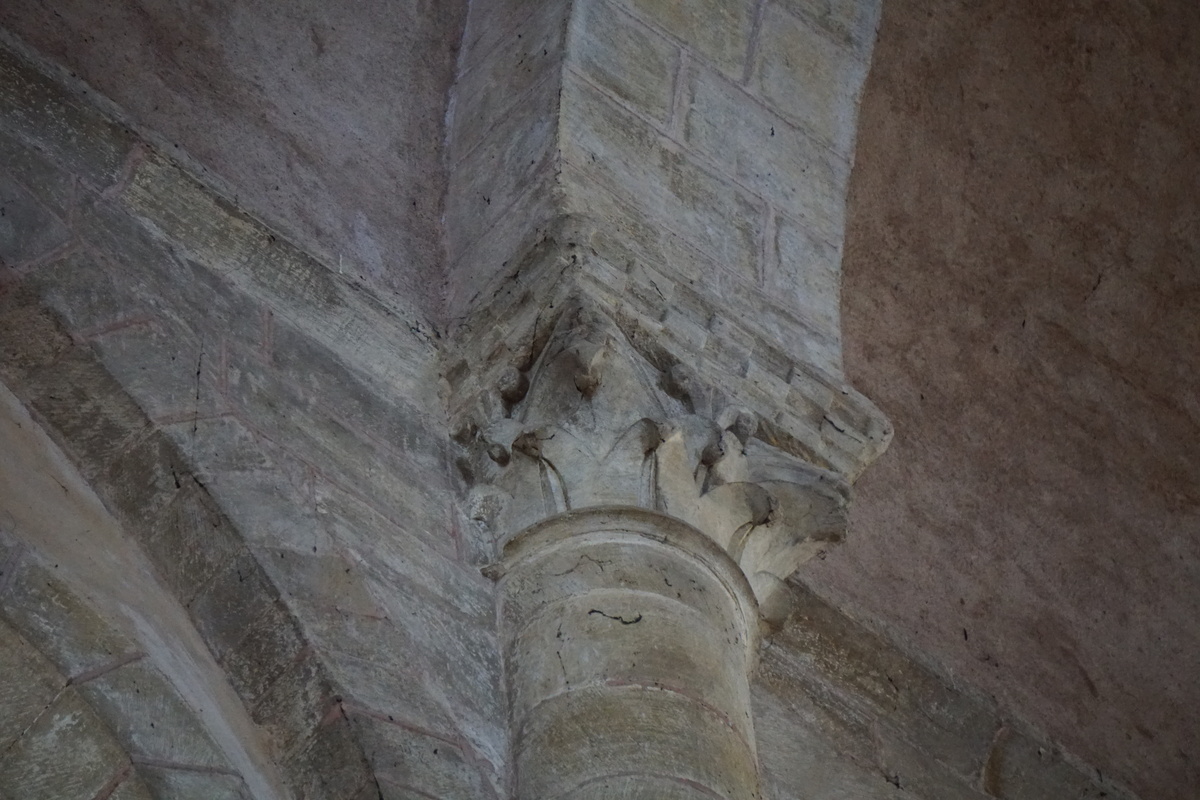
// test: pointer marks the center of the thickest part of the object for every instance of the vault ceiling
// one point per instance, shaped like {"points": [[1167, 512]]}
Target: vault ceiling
{"points": [[1020, 296]]}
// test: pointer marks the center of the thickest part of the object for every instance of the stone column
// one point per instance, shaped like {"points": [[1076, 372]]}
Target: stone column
{"points": [[629, 638], [641, 545], [644, 225]]}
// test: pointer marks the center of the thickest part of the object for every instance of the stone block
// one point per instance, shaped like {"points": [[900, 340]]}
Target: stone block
{"points": [[83, 292], [28, 685], [60, 623], [329, 764], [220, 447], [86, 411], [166, 371], [403, 483], [52, 185], [773, 157], [406, 757], [31, 337], [402, 555], [612, 150], [65, 753], [623, 236], [182, 784], [371, 332], [808, 78], [149, 718], [294, 705], [28, 230], [270, 510], [443, 672], [188, 539], [326, 579], [498, 84], [794, 750], [490, 25], [272, 646], [919, 772], [850, 22], [235, 597], [718, 31], [402, 694], [622, 56], [132, 788], [406, 419], [246, 626], [39, 110], [508, 160], [806, 275], [152, 277], [509, 257]]}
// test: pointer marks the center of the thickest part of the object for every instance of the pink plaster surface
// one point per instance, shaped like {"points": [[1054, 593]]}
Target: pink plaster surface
{"points": [[1022, 297]]}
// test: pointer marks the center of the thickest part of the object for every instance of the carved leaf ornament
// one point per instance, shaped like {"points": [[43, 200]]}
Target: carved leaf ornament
{"points": [[592, 423]]}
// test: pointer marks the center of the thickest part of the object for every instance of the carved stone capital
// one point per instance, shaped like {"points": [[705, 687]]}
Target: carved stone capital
{"points": [[591, 422]]}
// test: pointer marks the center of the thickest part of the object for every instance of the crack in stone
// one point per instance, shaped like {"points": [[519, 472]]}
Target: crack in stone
{"points": [[617, 618]]}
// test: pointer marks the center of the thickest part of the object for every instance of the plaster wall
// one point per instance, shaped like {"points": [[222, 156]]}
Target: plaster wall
{"points": [[325, 119], [1021, 299]]}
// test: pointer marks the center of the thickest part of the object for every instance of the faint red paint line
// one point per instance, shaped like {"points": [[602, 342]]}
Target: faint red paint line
{"points": [[80, 337], [114, 783], [157, 763]]}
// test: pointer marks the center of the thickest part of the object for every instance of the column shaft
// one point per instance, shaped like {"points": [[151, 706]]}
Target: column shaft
{"points": [[629, 638]]}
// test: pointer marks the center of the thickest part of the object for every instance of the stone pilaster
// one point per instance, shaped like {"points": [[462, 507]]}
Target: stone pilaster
{"points": [[643, 528], [644, 225]]}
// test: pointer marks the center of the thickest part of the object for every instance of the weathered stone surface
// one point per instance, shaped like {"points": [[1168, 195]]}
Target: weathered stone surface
{"points": [[809, 78], [101, 574], [898, 725], [617, 152], [506, 164], [37, 109], [58, 622], [323, 363], [64, 752], [132, 788], [189, 540], [149, 718], [29, 232], [324, 120], [50, 183], [414, 760], [29, 685], [501, 81], [399, 476], [796, 749], [624, 57], [329, 764], [760, 149], [718, 30], [187, 784]]}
